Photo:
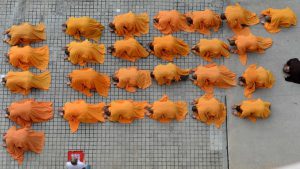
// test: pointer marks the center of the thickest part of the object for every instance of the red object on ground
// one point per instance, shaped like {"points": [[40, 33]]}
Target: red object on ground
{"points": [[79, 154]]}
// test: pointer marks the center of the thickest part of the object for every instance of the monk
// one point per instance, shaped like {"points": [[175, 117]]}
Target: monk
{"points": [[85, 52], [125, 111], [128, 49], [22, 82], [209, 110], [254, 78], [203, 21], [79, 111], [252, 109], [209, 49], [131, 78], [169, 47], [28, 111], [19, 141], [166, 74], [130, 24], [25, 33], [84, 80], [276, 18], [26, 57], [292, 70], [168, 22], [83, 26], [209, 76], [165, 110]]}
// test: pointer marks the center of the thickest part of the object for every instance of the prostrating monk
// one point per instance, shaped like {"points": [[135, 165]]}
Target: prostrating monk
{"points": [[22, 82], [79, 111], [131, 78], [83, 26], [209, 110], [253, 109], [25, 33], [18, 141], [128, 49], [165, 110], [254, 77], [292, 70], [84, 80], [28, 111], [26, 57], [166, 74], [209, 76], [130, 24], [276, 18], [168, 22], [203, 21], [125, 111], [169, 47], [209, 49], [85, 52]]}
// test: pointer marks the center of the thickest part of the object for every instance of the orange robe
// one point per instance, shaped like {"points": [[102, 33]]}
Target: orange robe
{"points": [[165, 110], [26, 33], [28, 111], [129, 49], [26, 57], [19, 141], [210, 111], [126, 111], [169, 47], [212, 75], [257, 78], [253, 109], [130, 78], [203, 21], [165, 74], [22, 82], [87, 79], [170, 21], [214, 48], [79, 111], [279, 18], [84, 52], [131, 24]]}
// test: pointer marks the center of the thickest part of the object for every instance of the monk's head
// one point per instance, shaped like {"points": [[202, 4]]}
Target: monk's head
{"points": [[74, 161], [194, 109], [231, 42], [112, 27], [196, 49], [223, 16], [152, 75], [268, 19], [189, 20], [106, 111], [194, 77], [115, 79], [155, 20], [286, 68], [151, 47], [242, 81], [3, 80], [111, 49], [7, 111], [149, 109], [184, 77], [67, 52], [238, 109]]}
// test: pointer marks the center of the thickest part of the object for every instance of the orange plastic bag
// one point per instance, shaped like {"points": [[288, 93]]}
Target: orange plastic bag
{"points": [[166, 74]]}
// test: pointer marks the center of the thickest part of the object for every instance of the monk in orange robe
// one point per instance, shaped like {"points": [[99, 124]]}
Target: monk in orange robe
{"points": [[276, 18], [209, 110], [168, 22], [209, 49], [128, 49], [166, 74], [79, 111], [22, 82], [131, 78], [85, 52], [203, 21], [28, 111], [165, 110], [19, 141], [83, 26], [252, 109], [168, 47], [26, 57], [209, 76], [25, 33], [254, 77], [130, 24], [87, 79]]}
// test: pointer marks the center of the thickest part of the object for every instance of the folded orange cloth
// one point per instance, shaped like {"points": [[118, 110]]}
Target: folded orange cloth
{"points": [[18, 141], [165, 74], [26, 57], [22, 82], [79, 111], [169, 47], [84, 26], [85, 52], [87, 79]]}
